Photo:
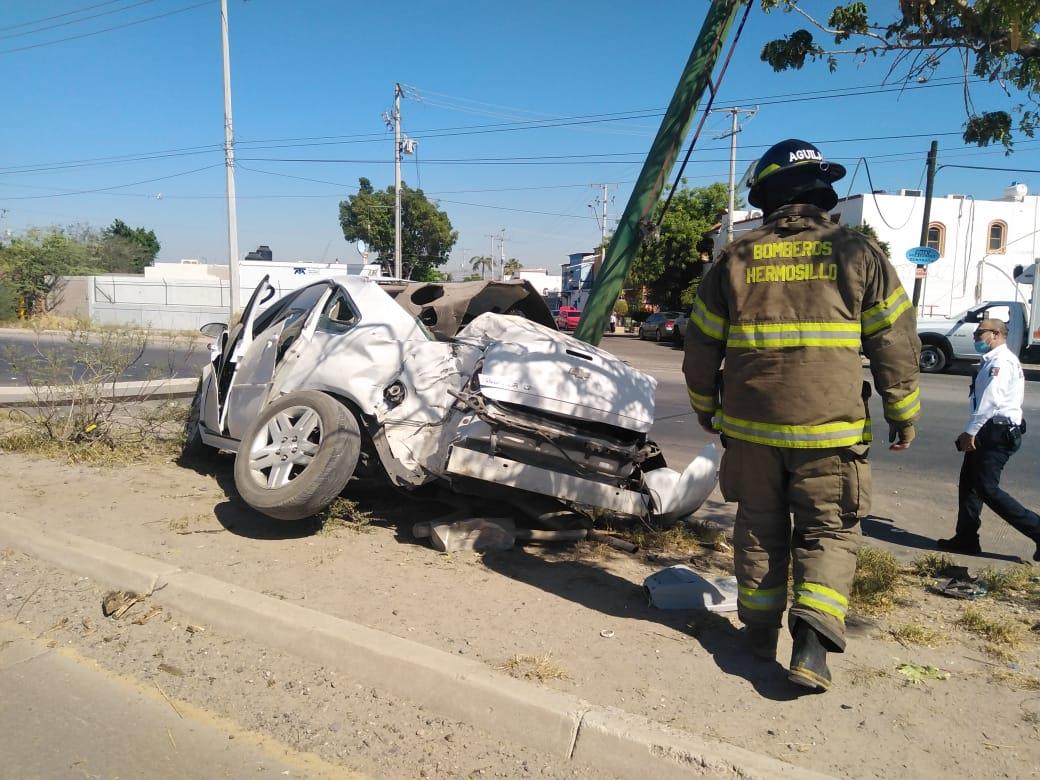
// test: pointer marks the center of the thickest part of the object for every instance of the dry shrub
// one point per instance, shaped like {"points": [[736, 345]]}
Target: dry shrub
{"points": [[916, 634], [344, 513], [1001, 632], [73, 411], [876, 584], [1009, 581], [534, 667], [930, 564]]}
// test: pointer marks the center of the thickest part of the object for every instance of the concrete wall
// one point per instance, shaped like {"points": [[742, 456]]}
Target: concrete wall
{"points": [[69, 297]]}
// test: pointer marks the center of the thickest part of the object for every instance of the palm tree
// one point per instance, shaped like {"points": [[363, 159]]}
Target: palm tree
{"points": [[480, 264], [512, 266]]}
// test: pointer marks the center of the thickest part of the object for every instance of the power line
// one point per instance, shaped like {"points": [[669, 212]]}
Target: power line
{"points": [[59, 16], [75, 21], [114, 186], [107, 29]]}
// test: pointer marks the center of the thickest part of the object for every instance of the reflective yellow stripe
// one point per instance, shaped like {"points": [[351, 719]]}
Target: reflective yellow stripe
{"points": [[830, 609], [821, 598], [836, 434], [708, 323], [764, 599], [702, 403], [882, 316], [795, 334], [906, 408], [824, 591]]}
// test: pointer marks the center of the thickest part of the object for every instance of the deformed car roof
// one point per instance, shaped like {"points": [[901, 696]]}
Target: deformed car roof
{"points": [[447, 307]]}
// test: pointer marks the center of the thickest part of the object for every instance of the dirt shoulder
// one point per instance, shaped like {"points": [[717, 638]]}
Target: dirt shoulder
{"points": [[575, 618]]}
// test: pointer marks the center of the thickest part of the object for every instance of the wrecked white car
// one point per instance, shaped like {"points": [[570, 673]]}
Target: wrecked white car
{"points": [[467, 385]]}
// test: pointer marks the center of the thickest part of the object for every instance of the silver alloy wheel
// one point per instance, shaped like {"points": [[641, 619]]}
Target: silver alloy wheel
{"points": [[285, 446]]}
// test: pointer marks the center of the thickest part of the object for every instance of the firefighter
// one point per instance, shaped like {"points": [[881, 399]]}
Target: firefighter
{"points": [[788, 306]]}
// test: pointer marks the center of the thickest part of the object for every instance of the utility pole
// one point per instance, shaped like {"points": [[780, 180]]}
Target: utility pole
{"points": [[734, 114], [933, 152], [491, 257], [501, 256], [397, 181], [229, 167], [693, 82], [601, 213]]}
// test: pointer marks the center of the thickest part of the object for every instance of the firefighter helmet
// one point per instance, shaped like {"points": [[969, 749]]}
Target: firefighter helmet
{"points": [[790, 168]]}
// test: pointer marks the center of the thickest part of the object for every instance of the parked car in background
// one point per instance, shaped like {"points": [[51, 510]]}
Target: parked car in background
{"points": [[658, 326], [679, 330], [568, 318], [467, 385]]}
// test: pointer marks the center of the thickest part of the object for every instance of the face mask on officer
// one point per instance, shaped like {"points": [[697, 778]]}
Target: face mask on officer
{"points": [[982, 344]]}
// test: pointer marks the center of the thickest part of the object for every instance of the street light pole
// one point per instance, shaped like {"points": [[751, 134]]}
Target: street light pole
{"points": [[229, 168], [933, 152], [397, 181]]}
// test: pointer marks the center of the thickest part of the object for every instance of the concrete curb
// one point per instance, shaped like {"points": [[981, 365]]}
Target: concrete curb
{"points": [[544, 719], [57, 394]]}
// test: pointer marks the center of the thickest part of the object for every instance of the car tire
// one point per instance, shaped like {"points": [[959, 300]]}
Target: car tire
{"points": [[312, 469], [194, 449], [677, 339], [660, 336], [639, 333], [933, 359]]}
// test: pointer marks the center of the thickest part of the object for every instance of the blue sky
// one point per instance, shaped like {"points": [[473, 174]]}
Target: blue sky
{"points": [[321, 73]]}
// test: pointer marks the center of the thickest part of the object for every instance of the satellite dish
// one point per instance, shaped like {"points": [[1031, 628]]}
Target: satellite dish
{"points": [[361, 247]]}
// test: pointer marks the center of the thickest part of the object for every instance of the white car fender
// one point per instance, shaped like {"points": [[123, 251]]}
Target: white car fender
{"points": [[678, 495]]}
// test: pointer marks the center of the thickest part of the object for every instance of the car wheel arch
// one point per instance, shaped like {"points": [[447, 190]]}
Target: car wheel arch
{"points": [[939, 344]]}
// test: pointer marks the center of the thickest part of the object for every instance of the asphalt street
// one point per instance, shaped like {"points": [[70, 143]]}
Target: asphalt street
{"points": [[65, 717], [21, 349], [915, 492]]}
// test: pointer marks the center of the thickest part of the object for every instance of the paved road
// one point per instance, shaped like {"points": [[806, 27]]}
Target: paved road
{"points": [[915, 492], [159, 360], [63, 717]]}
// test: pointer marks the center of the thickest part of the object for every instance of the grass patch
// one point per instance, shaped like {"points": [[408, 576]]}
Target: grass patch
{"points": [[1009, 581], [1000, 632], [682, 540], [90, 452], [1019, 680], [876, 584], [344, 513], [916, 634], [930, 564], [534, 667]]}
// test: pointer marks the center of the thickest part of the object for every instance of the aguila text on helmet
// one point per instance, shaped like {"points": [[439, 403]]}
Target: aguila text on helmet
{"points": [[805, 154]]}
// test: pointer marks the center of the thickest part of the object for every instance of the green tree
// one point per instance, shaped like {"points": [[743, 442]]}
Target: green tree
{"points": [[124, 249], [426, 233], [669, 261], [480, 264], [471, 278], [995, 40], [31, 264], [512, 266], [869, 232]]}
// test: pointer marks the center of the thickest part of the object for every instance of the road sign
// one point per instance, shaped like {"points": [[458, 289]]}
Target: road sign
{"points": [[921, 272], [922, 255]]}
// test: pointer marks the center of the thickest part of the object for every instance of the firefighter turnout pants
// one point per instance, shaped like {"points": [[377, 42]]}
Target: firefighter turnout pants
{"points": [[825, 491]]}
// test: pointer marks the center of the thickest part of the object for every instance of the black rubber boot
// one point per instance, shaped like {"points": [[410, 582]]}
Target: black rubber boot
{"points": [[809, 659], [762, 641]]}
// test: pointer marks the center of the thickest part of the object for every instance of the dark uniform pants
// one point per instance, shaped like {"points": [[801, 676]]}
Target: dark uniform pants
{"points": [[980, 484], [826, 491]]}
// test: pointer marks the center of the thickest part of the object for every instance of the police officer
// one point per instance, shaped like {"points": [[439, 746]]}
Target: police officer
{"points": [[992, 435], [789, 306]]}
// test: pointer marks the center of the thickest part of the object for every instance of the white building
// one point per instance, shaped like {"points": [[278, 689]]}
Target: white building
{"points": [[545, 283], [980, 242]]}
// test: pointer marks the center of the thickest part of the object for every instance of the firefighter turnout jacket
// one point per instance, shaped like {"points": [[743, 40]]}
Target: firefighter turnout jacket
{"points": [[789, 306]]}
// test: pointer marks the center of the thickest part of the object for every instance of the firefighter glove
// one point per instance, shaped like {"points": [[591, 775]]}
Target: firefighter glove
{"points": [[900, 436]]}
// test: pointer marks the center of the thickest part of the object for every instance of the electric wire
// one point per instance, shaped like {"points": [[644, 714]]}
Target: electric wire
{"points": [[75, 21], [107, 29], [59, 16], [114, 186]]}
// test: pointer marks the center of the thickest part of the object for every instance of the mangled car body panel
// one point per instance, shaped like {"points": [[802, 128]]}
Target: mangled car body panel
{"points": [[505, 401]]}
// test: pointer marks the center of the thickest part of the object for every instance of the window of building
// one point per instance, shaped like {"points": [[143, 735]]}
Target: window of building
{"points": [[997, 237], [937, 237]]}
